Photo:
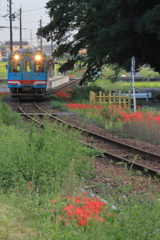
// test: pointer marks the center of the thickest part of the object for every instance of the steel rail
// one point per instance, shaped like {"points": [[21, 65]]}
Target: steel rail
{"points": [[3, 80], [108, 154], [28, 115], [106, 138]]}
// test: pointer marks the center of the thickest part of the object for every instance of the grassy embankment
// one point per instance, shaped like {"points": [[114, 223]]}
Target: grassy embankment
{"points": [[106, 84], [3, 70], [112, 122], [39, 166]]}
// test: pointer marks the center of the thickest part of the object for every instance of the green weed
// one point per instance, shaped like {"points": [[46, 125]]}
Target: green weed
{"points": [[38, 167]]}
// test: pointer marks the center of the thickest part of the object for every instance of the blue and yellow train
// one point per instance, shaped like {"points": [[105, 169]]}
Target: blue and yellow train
{"points": [[27, 73]]}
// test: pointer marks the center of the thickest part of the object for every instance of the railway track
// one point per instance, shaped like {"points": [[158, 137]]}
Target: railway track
{"points": [[137, 158], [3, 80], [29, 111]]}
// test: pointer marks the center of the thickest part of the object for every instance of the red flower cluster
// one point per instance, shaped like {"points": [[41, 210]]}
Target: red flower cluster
{"points": [[82, 210], [81, 106], [4, 93], [30, 185], [64, 93], [139, 116], [120, 111]]}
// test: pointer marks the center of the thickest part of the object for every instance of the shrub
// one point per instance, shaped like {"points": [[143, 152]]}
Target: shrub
{"points": [[82, 93]]}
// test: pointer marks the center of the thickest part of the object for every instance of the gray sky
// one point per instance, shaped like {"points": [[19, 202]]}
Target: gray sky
{"points": [[32, 12]]}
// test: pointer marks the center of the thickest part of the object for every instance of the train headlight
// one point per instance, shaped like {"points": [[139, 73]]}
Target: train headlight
{"points": [[38, 57], [16, 56]]}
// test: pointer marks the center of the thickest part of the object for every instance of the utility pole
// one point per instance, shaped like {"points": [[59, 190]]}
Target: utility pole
{"points": [[10, 18], [51, 41], [132, 81], [20, 26], [40, 24], [31, 39], [51, 72], [51, 44]]}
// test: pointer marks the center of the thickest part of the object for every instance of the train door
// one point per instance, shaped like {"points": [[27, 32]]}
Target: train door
{"points": [[39, 70], [27, 71]]}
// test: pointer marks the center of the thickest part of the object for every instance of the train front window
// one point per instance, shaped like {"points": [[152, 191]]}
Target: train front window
{"points": [[27, 66], [15, 65], [39, 66]]}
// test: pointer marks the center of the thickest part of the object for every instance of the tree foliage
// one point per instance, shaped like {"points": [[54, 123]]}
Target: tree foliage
{"points": [[118, 29]]}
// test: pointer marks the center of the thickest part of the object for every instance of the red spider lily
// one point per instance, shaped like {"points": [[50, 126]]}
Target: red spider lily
{"points": [[81, 106], [68, 89], [53, 201], [85, 194], [82, 222], [66, 197], [138, 116], [30, 185], [120, 112], [70, 209], [64, 93], [4, 93], [83, 210], [138, 107]]}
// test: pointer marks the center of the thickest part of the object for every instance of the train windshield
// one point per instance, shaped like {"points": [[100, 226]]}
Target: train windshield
{"points": [[15, 65], [39, 66], [27, 66]]}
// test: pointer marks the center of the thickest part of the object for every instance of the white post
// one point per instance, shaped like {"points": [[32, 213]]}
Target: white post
{"points": [[132, 77], [55, 68]]}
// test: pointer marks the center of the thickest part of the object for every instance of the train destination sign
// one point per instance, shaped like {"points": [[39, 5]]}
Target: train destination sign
{"points": [[27, 54]]}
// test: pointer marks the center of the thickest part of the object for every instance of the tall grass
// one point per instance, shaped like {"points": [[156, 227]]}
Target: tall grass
{"points": [[38, 167], [141, 131], [3, 70], [40, 157]]}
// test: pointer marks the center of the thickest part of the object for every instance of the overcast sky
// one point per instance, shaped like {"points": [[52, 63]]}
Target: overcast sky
{"points": [[32, 12]]}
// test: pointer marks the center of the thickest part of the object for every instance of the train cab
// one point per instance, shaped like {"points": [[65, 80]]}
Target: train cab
{"points": [[27, 73]]}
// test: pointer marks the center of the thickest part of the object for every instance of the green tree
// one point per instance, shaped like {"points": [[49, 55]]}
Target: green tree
{"points": [[118, 29]]}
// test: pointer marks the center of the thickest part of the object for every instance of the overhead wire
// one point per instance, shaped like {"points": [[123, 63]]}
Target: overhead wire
{"points": [[33, 10], [25, 22]]}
